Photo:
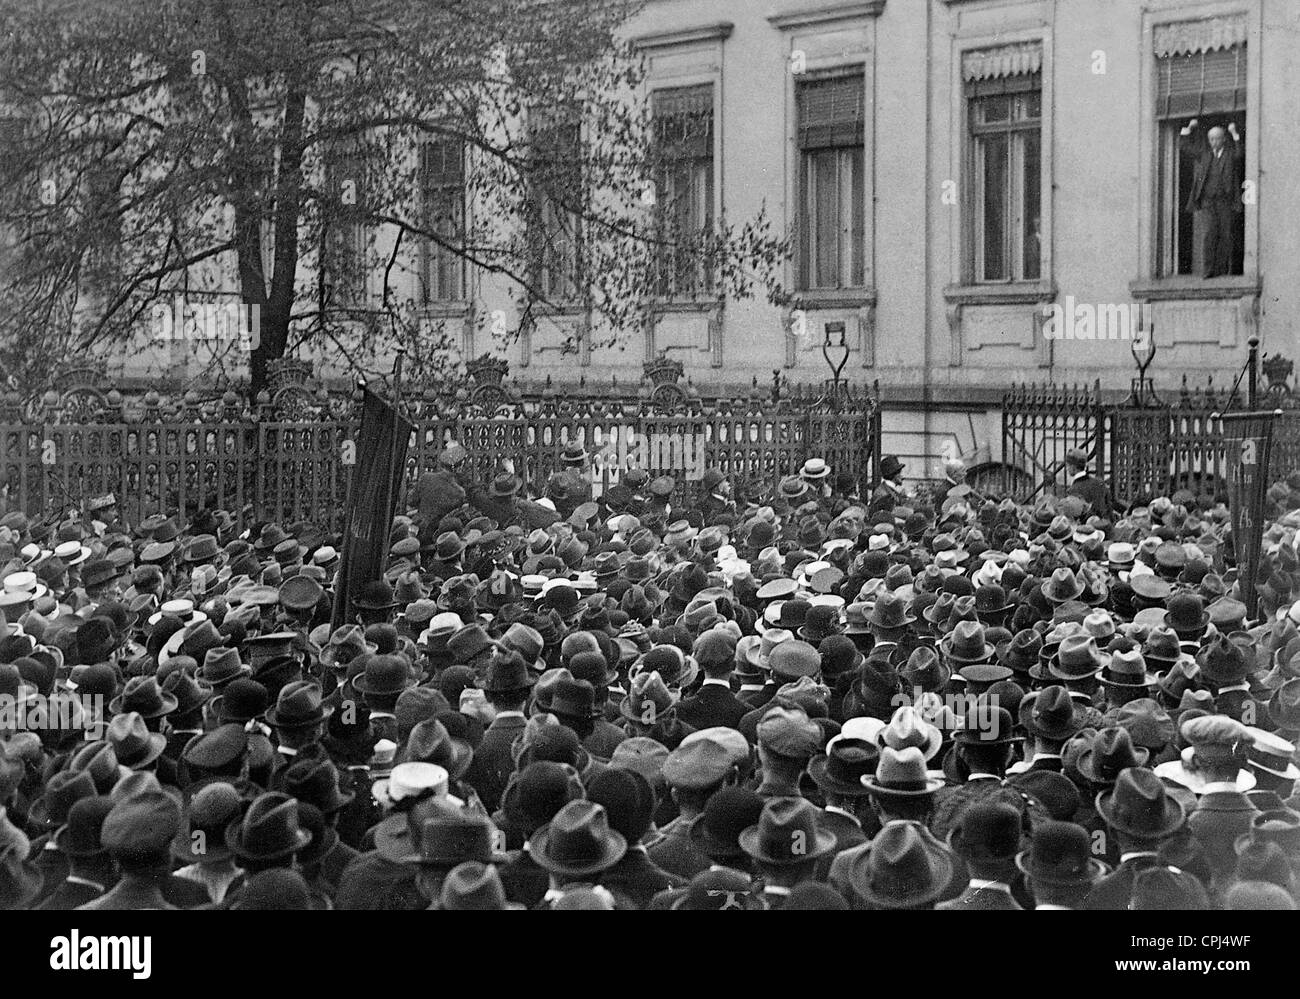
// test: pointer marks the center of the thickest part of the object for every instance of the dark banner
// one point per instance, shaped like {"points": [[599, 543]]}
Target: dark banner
{"points": [[1249, 443], [376, 485]]}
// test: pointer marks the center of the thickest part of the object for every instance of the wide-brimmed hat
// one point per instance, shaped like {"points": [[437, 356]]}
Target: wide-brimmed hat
{"points": [[1140, 806], [578, 842], [135, 746], [1051, 713], [1110, 753], [1061, 586], [1127, 669], [842, 767], [906, 867], [269, 830], [787, 833], [967, 643], [1077, 658], [143, 696], [299, 705], [890, 612]]}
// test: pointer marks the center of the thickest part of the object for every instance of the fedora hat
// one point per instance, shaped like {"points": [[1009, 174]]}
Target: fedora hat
{"points": [[473, 886], [577, 842], [901, 773], [786, 833], [905, 868], [1051, 713], [1110, 753], [907, 729], [967, 644], [299, 705], [1140, 806], [1063, 585], [221, 665], [269, 830], [1077, 658], [1186, 613], [143, 696], [1127, 669], [890, 612], [134, 745], [841, 769], [1223, 662]]}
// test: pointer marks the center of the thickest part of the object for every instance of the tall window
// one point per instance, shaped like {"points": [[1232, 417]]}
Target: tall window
{"points": [[556, 219], [1005, 112], [11, 157], [831, 218], [683, 171], [344, 232], [103, 209], [442, 183], [1201, 122]]}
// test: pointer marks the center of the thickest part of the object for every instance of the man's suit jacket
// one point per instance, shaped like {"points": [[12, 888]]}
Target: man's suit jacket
{"points": [[1216, 178], [1232, 703], [53, 867], [676, 853], [638, 877], [1216, 822], [1115, 890], [490, 771], [69, 895], [758, 698], [1093, 491], [712, 705]]}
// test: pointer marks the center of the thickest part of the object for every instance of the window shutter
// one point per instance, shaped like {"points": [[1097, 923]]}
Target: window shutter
{"points": [[832, 112], [683, 122], [1202, 82]]}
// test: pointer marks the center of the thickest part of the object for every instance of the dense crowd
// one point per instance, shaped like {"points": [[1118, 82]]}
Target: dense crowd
{"points": [[808, 699]]}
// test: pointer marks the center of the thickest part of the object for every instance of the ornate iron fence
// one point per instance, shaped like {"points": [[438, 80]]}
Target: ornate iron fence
{"points": [[287, 457], [1145, 445]]}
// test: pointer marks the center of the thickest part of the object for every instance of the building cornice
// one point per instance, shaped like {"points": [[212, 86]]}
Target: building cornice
{"points": [[717, 32], [826, 15]]}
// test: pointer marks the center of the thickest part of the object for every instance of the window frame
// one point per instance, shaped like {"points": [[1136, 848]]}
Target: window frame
{"points": [[704, 283], [428, 249], [808, 248]]}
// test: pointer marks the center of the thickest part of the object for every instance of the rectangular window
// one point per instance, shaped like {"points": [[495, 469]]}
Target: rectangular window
{"points": [[12, 157], [556, 210], [831, 217], [442, 186], [103, 213], [1201, 124], [684, 185], [344, 233], [1006, 118]]}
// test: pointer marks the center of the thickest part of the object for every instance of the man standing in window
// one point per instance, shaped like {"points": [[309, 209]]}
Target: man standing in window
{"points": [[1216, 191]]}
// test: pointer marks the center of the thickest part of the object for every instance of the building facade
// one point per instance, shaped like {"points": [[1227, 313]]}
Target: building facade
{"points": [[978, 192]]}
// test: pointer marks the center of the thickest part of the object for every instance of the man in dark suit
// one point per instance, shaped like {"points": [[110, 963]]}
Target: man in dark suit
{"points": [[506, 688], [1216, 191], [1222, 813], [439, 491], [713, 704], [630, 803], [1085, 485], [90, 871], [694, 772], [987, 837], [1142, 815], [847, 815]]}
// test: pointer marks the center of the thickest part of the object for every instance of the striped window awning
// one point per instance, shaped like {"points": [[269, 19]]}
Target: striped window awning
{"points": [[1022, 59], [1197, 37]]}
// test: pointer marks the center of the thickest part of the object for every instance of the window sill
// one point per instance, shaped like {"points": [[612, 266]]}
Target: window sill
{"points": [[1010, 293], [685, 304], [1185, 288], [445, 310], [834, 298]]}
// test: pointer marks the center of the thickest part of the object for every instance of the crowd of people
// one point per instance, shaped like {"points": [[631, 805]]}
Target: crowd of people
{"points": [[654, 699]]}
